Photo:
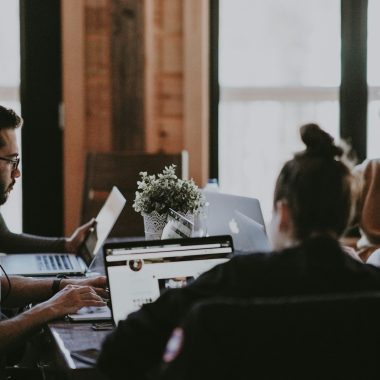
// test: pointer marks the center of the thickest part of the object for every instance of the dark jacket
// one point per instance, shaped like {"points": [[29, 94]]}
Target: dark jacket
{"points": [[315, 267]]}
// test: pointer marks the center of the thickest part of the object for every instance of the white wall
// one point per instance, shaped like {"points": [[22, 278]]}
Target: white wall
{"points": [[9, 93]]}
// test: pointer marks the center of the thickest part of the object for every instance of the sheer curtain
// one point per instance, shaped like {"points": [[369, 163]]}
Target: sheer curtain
{"points": [[279, 67], [9, 94]]}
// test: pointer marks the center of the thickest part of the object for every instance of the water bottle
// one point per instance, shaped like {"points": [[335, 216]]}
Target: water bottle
{"points": [[212, 185]]}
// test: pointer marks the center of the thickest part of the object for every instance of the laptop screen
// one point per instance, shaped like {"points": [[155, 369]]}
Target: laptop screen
{"points": [[105, 220], [138, 273]]}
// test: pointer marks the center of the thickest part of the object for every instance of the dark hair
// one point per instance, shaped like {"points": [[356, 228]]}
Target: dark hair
{"points": [[8, 120], [317, 185]]}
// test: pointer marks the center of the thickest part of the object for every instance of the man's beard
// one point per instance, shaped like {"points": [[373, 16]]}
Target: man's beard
{"points": [[4, 192]]}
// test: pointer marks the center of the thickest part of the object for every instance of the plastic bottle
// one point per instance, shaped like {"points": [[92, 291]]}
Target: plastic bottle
{"points": [[212, 185]]}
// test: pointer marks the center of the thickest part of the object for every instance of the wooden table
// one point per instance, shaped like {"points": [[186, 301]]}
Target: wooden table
{"points": [[62, 338]]}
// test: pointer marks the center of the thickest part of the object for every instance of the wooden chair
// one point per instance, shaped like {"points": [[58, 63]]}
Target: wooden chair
{"points": [[104, 170]]}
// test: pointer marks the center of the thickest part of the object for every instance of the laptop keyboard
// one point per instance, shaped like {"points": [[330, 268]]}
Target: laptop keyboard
{"points": [[54, 262]]}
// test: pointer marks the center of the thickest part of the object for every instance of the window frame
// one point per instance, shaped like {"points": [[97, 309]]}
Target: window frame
{"points": [[353, 89]]}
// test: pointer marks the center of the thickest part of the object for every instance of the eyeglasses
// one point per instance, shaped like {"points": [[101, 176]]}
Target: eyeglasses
{"points": [[12, 161]]}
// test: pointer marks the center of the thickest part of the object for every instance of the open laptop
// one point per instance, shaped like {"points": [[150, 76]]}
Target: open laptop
{"points": [[241, 217], [138, 272], [50, 264], [249, 236]]}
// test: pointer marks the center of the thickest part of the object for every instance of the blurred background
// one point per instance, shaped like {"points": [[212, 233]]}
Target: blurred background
{"points": [[230, 81]]}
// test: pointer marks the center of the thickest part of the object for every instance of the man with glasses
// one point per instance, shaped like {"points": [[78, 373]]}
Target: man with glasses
{"points": [[9, 172], [67, 295], [12, 161]]}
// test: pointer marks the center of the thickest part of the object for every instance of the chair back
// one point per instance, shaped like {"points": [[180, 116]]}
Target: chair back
{"points": [[104, 170], [316, 337]]}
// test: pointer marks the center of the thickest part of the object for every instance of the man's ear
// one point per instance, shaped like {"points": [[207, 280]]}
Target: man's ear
{"points": [[284, 220]]}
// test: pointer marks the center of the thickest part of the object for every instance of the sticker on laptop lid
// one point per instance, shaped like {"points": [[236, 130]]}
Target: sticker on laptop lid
{"points": [[178, 226]]}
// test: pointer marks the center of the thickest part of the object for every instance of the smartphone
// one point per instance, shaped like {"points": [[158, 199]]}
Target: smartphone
{"points": [[88, 356]]}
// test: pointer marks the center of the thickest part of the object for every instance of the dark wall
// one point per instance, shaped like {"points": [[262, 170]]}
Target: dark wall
{"points": [[40, 98], [353, 89]]}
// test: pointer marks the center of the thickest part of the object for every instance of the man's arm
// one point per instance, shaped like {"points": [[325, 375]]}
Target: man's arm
{"points": [[68, 300], [16, 330], [25, 290], [20, 291], [11, 242]]}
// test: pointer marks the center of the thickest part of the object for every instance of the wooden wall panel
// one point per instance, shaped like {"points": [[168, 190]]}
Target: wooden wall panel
{"points": [[73, 81], [196, 87], [177, 93], [135, 78], [86, 94], [164, 70], [128, 75], [98, 75]]}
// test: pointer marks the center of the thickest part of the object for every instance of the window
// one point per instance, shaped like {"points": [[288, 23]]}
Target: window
{"points": [[373, 74], [279, 67], [9, 93]]}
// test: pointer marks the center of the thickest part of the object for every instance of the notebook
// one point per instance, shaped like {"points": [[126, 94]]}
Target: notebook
{"points": [[139, 272], [241, 217], [50, 264]]}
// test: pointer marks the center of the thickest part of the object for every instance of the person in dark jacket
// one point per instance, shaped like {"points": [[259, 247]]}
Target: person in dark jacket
{"points": [[312, 207]]}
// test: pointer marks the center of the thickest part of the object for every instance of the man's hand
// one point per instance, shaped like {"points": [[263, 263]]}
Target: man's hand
{"points": [[70, 300], [74, 242], [99, 284]]}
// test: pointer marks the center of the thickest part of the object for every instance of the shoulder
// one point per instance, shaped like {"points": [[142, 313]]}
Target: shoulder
{"points": [[374, 259], [239, 268]]}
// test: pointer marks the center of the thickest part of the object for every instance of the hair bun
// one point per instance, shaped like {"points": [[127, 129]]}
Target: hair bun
{"points": [[319, 142]]}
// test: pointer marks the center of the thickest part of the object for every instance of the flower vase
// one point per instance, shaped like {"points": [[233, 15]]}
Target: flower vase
{"points": [[154, 224]]}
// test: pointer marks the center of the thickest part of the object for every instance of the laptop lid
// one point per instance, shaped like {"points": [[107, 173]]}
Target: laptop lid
{"points": [[105, 220], [248, 235], [139, 272], [230, 214], [47, 264]]}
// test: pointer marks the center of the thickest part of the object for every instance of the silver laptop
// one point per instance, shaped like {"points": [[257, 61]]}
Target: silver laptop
{"points": [[139, 272], [238, 216], [50, 264]]}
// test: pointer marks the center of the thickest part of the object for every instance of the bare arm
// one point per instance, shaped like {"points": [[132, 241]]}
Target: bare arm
{"points": [[16, 330], [25, 290], [68, 300]]}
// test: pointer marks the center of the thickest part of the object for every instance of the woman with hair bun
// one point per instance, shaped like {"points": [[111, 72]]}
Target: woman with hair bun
{"points": [[314, 192], [312, 206]]}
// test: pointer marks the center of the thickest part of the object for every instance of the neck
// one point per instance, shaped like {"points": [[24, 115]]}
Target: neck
{"points": [[292, 241], [326, 233]]}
